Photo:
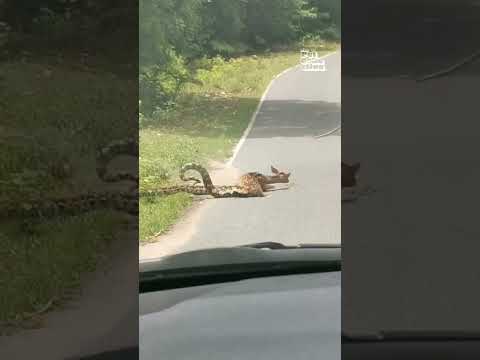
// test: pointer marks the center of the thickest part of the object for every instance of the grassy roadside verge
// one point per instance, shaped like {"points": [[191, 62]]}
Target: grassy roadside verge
{"points": [[206, 124], [68, 113]]}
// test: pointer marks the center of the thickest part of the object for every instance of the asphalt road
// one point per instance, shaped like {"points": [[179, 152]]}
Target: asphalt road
{"points": [[413, 246], [297, 110]]}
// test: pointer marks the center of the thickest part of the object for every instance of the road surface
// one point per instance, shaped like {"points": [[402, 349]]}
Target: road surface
{"points": [[414, 243], [298, 109]]}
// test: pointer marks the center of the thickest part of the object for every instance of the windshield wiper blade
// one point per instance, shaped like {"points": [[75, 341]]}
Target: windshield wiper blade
{"points": [[279, 246]]}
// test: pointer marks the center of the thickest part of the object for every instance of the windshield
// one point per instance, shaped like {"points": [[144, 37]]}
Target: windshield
{"points": [[240, 132]]}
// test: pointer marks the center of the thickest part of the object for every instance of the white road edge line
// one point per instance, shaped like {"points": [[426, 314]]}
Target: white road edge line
{"points": [[254, 116]]}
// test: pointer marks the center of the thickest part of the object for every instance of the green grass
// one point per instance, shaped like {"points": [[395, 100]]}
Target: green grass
{"points": [[50, 113], [206, 124], [160, 213], [68, 114], [46, 263]]}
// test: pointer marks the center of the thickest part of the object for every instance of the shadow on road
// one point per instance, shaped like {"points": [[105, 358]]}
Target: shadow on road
{"points": [[296, 119], [229, 116]]}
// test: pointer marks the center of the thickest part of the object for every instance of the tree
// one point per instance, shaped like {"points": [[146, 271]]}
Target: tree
{"points": [[274, 21]]}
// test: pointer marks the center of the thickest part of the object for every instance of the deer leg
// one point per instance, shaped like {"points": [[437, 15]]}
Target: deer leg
{"points": [[259, 191], [278, 189]]}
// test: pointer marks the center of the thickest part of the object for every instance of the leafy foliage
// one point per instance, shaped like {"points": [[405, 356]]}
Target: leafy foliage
{"points": [[160, 84], [174, 34]]}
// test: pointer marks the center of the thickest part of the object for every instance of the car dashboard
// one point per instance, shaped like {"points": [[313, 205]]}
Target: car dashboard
{"points": [[278, 317]]}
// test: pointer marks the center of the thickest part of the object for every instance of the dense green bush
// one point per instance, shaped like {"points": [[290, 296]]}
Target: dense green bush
{"points": [[175, 33], [160, 84]]}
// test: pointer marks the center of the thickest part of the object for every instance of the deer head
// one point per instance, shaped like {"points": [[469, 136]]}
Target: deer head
{"points": [[278, 176]]}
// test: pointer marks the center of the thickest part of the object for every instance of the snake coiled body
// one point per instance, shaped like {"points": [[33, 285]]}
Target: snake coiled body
{"points": [[109, 152], [89, 201], [251, 185]]}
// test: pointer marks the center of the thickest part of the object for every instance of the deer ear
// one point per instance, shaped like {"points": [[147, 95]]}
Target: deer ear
{"points": [[275, 171]]}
